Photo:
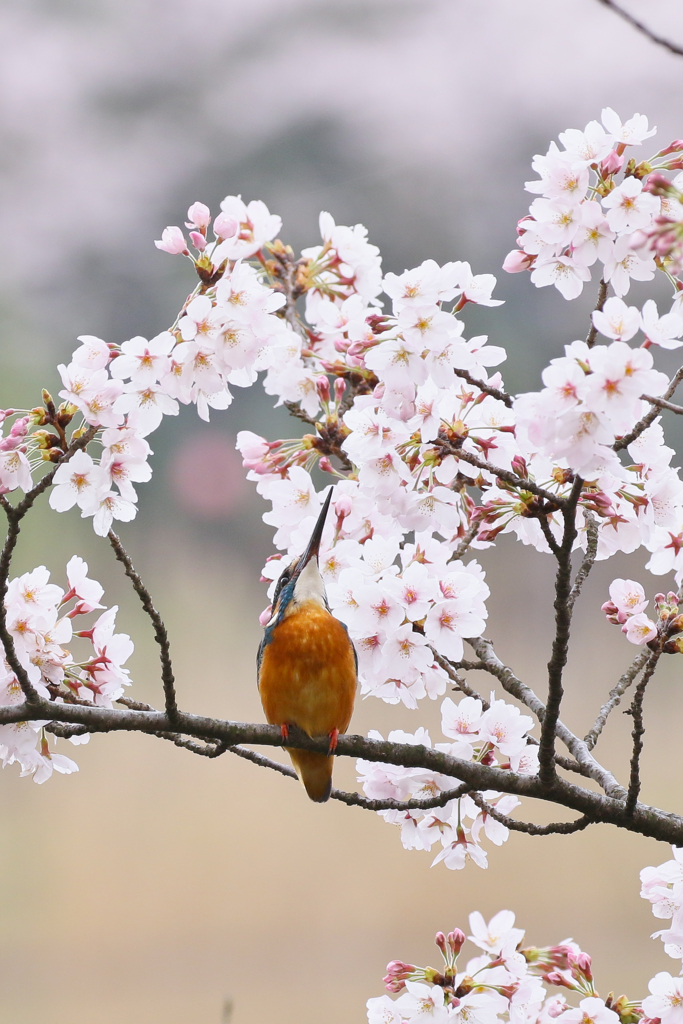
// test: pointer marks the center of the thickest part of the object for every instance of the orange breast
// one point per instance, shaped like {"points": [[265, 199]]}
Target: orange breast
{"points": [[308, 673]]}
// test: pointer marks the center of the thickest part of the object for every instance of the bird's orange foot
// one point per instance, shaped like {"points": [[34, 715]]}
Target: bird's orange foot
{"points": [[284, 731], [334, 739]]}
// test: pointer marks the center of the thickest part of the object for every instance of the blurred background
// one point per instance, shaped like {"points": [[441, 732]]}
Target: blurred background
{"points": [[155, 886]]}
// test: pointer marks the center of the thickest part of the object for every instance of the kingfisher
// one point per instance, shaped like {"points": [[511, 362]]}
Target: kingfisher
{"points": [[307, 665]]}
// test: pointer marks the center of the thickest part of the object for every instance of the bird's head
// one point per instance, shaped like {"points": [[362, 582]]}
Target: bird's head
{"points": [[301, 581]]}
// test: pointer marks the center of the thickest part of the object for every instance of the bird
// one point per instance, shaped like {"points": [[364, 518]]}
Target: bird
{"points": [[307, 665]]}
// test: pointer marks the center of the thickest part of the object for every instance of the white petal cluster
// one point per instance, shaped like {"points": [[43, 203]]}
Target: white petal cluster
{"points": [[503, 982], [40, 623]]}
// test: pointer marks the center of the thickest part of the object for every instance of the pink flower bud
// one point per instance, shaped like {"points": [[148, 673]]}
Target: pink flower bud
{"points": [[264, 617], [198, 216], [517, 261], [397, 972], [339, 388], [225, 226], [658, 184], [257, 466], [519, 466], [557, 978], [172, 241], [198, 240], [674, 147], [581, 964], [326, 465], [323, 387], [612, 163], [639, 239], [456, 940], [342, 506], [560, 956], [440, 940]]}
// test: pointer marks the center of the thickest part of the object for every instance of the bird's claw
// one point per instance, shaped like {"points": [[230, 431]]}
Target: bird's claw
{"points": [[284, 731], [334, 739]]}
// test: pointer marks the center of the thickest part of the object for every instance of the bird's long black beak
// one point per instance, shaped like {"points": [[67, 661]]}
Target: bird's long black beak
{"points": [[314, 543]]}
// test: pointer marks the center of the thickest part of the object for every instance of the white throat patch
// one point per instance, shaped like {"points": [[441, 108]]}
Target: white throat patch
{"points": [[309, 587]]}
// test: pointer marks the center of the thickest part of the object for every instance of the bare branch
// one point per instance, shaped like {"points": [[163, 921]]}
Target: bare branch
{"points": [[547, 533], [662, 404], [602, 296], [644, 820], [13, 529], [15, 513], [588, 558], [502, 396], [651, 416], [467, 538], [614, 698], [160, 632], [652, 36], [521, 483], [563, 614], [450, 670], [509, 681], [636, 710], [555, 828], [355, 799]]}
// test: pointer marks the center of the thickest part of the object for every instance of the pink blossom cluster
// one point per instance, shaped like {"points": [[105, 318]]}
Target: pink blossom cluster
{"points": [[40, 619], [663, 887], [504, 981], [496, 736], [582, 216]]}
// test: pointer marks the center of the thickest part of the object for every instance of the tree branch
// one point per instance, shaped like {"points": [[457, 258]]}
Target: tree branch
{"points": [[577, 747], [451, 671], [652, 36], [644, 820], [521, 483], [355, 799], [555, 828], [614, 698], [563, 615], [662, 404], [467, 538], [602, 297], [636, 710], [588, 558], [15, 513], [502, 396], [651, 416], [160, 632]]}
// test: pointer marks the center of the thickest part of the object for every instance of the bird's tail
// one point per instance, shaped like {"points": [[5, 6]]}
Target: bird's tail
{"points": [[315, 771]]}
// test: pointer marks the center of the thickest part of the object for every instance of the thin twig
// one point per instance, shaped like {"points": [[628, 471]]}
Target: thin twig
{"points": [[465, 541], [15, 514], [662, 404], [521, 483], [588, 558], [450, 670], [502, 396], [638, 732], [355, 799], [614, 698], [649, 417], [511, 684], [555, 828], [558, 660], [547, 533], [604, 807], [160, 632], [602, 296], [652, 36]]}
